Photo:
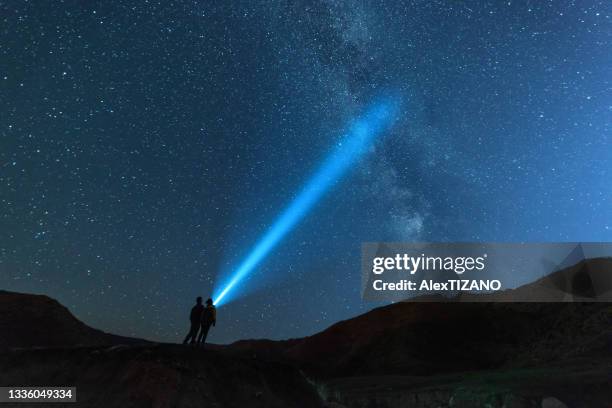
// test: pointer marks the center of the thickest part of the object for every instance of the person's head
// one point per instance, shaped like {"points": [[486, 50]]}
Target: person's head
{"points": [[199, 300], [209, 302]]}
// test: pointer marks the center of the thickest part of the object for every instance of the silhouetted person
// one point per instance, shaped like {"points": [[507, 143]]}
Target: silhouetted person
{"points": [[195, 317], [209, 317]]}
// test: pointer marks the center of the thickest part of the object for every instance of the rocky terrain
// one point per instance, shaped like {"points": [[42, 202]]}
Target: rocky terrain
{"points": [[426, 353], [461, 355], [409, 354], [159, 376], [42, 343]]}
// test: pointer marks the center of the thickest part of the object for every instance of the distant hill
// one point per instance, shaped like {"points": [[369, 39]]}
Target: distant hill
{"points": [[586, 281], [39, 321], [468, 332]]}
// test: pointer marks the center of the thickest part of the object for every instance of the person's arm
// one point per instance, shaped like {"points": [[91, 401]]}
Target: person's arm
{"points": [[214, 316]]}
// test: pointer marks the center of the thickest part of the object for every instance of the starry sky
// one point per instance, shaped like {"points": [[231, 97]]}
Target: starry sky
{"points": [[146, 145]]}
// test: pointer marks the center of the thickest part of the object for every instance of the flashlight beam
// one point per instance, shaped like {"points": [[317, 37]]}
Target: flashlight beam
{"points": [[353, 146]]}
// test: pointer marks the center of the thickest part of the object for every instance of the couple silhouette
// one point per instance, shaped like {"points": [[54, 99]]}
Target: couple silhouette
{"points": [[201, 317]]}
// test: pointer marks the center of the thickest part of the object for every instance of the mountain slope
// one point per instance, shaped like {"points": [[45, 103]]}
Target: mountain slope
{"points": [[466, 333], [38, 321]]}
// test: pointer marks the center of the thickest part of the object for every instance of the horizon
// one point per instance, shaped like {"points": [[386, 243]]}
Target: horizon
{"points": [[408, 300]]}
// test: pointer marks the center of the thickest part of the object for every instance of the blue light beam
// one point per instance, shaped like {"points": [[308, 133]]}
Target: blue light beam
{"points": [[354, 145]]}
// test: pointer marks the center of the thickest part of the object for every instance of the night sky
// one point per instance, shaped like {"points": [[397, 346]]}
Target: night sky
{"points": [[145, 146]]}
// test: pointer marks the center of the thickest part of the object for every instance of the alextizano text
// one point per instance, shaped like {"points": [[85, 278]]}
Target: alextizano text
{"points": [[449, 285]]}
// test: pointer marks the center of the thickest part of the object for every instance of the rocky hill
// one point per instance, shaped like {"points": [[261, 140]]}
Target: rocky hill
{"points": [[42, 343], [469, 332], [38, 321]]}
